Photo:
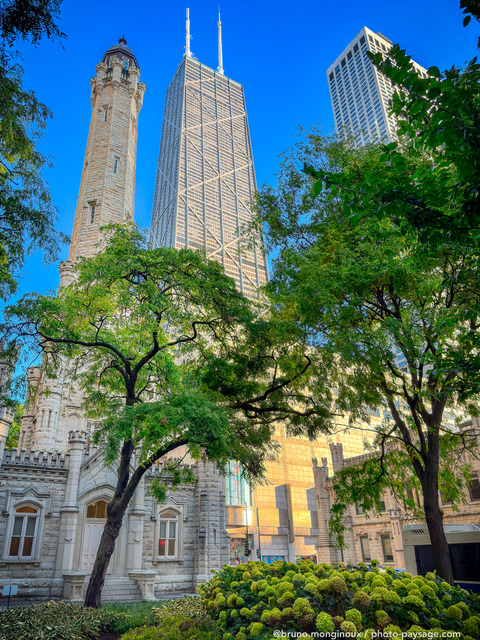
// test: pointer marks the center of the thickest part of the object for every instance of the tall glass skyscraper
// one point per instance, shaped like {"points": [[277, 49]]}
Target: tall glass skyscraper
{"points": [[205, 175], [360, 93]]}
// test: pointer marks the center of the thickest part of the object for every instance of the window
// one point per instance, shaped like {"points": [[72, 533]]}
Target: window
{"points": [[92, 206], [365, 547], [115, 165], [358, 509], [362, 40], [474, 488], [105, 115], [168, 534], [349, 55], [355, 48], [25, 526], [237, 488], [97, 510], [387, 549]]}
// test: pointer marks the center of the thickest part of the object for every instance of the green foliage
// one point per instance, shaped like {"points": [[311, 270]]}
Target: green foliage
{"points": [[14, 431], [176, 355], [131, 614], [438, 195], [30, 20], [325, 611], [27, 213], [399, 318], [179, 618], [176, 628], [169, 355], [56, 621]]}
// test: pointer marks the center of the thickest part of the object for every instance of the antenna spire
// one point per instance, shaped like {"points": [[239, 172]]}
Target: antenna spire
{"points": [[188, 37], [220, 54]]}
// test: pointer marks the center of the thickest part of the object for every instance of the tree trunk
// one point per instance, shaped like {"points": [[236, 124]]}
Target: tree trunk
{"points": [[434, 519], [105, 550]]}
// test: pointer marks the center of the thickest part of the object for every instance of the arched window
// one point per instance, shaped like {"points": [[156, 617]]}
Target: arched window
{"points": [[24, 532], [97, 510], [168, 534]]}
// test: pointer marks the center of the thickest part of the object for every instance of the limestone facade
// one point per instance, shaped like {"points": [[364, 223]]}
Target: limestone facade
{"points": [[370, 536], [49, 532]]}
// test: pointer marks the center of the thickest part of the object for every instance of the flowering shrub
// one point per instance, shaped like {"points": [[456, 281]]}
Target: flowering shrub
{"points": [[308, 598]]}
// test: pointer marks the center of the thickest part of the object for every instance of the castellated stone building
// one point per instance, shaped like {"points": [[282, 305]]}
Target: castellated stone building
{"points": [[55, 486], [371, 536]]}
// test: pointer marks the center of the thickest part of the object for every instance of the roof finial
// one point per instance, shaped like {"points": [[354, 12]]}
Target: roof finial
{"points": [[122, 40], [188, 53], [220, 54]]}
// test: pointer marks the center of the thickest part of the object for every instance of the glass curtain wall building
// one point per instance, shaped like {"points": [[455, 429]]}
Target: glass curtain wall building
{"points": [[360, 94], [205, 175]]}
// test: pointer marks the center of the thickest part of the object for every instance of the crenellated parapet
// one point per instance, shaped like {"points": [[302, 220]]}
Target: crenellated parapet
{"points": [[37, 459]]}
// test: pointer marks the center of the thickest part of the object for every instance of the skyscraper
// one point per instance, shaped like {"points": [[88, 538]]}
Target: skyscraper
{"points": [[360, 93], [205, 175], [205, 184]]}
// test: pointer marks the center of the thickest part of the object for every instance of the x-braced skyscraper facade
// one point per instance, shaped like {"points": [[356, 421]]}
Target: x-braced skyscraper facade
{"points": [[205, 176]]}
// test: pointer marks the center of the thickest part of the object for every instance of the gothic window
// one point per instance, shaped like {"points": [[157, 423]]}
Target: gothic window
{"points": [[115, 165], [24, 532], [168, 534], [97, 510]]}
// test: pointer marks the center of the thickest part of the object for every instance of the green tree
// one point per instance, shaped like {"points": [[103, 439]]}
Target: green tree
{"points": [[439, 117], [399, 319], [30, 20], [14, 431], [27, 214], [170, 355]]}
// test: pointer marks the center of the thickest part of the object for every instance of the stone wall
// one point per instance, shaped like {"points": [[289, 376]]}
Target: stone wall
{"points": [[373, 526], [37, 480]]}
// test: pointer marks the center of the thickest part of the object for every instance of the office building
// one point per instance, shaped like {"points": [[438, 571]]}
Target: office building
{"points": [[205, 175], [360, 93]]}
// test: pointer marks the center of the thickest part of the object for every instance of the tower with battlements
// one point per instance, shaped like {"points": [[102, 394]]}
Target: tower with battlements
{"points": [[107, 193]]}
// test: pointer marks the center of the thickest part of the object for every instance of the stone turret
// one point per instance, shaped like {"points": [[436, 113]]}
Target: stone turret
{"points": [[107, 188], [107, 194]]}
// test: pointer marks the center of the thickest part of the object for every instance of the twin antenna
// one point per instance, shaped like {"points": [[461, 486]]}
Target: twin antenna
{"points": [[189, 54]]}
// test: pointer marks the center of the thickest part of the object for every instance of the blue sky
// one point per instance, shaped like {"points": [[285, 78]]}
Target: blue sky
{"points": [[278, 50]]}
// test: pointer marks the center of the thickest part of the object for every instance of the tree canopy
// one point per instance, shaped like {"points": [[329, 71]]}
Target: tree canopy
{"points": [[169, 355], [398, 317], [27, 214], [438, 119]]}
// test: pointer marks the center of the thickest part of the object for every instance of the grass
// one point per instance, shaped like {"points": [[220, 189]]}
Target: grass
{"points": [[136, 614]]}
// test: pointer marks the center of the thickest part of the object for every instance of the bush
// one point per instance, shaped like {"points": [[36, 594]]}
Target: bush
{"points": [[56, 621], [132, 614], [309, 598], [176, 627], [185, 617]]}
